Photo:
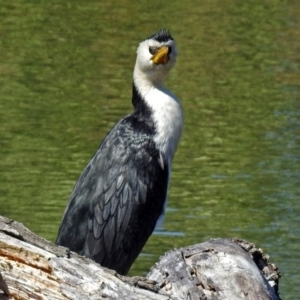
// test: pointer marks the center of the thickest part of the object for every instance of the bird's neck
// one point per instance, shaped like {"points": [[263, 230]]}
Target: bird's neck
{"points": [[153, 102], [147, 80]]}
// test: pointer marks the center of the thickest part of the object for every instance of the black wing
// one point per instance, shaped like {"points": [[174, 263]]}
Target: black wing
{"points": [[117, 199]]}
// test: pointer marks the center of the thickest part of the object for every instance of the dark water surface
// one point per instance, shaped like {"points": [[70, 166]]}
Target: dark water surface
{"points": [[65, 79]]}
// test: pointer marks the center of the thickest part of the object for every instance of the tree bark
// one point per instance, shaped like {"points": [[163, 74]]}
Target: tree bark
{"points": [[34, 268]]}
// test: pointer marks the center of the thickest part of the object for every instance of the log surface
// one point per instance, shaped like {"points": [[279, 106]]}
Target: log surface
{"points": [[217, 269], [34, 268]]}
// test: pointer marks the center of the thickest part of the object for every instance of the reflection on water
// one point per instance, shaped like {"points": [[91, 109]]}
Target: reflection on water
{"points": [[65, 79]]}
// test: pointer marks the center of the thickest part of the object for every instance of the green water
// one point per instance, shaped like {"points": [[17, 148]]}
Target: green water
{"points": [[65, 79]]}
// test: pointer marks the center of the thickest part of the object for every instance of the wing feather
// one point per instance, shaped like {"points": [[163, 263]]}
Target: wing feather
{"points": [[97, 229], [98, 214], [119, 197]]}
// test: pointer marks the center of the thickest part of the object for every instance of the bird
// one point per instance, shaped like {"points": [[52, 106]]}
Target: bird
{"points": [[122, 192]]}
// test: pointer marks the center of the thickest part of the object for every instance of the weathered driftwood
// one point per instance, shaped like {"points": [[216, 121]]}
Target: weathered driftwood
{"points": [[33, 268], [217, 269]]}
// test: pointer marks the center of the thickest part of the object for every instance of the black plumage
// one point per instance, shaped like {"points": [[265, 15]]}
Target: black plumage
{"points": [[162, 35], [126, 182]]}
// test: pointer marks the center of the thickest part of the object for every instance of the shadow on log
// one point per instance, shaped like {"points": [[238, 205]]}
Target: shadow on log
{"points": [[33, 268]]}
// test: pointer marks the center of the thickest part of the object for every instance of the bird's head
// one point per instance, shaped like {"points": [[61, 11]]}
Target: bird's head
{"points": [[156, 56]]}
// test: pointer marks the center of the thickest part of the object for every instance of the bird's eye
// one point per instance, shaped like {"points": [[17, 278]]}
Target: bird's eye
{"points": [[152, 50], [169, 49]]}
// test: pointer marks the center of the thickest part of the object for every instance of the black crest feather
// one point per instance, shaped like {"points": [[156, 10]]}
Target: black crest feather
{"points": [[163, 35]]}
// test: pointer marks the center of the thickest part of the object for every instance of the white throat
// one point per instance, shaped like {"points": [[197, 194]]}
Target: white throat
{"points": [[166, 110]]}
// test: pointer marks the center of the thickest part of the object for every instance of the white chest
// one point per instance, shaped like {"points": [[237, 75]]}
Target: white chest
{"points": [[168, 119]]}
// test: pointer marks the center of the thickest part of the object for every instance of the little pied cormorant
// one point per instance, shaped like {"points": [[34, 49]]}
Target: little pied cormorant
{"points": [[122, 192]]}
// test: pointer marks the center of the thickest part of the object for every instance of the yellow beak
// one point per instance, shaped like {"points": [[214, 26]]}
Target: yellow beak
{"points": [[161, 56]]}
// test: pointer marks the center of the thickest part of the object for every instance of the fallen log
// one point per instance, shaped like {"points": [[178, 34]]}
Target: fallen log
{"points": [[34, 268]]}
